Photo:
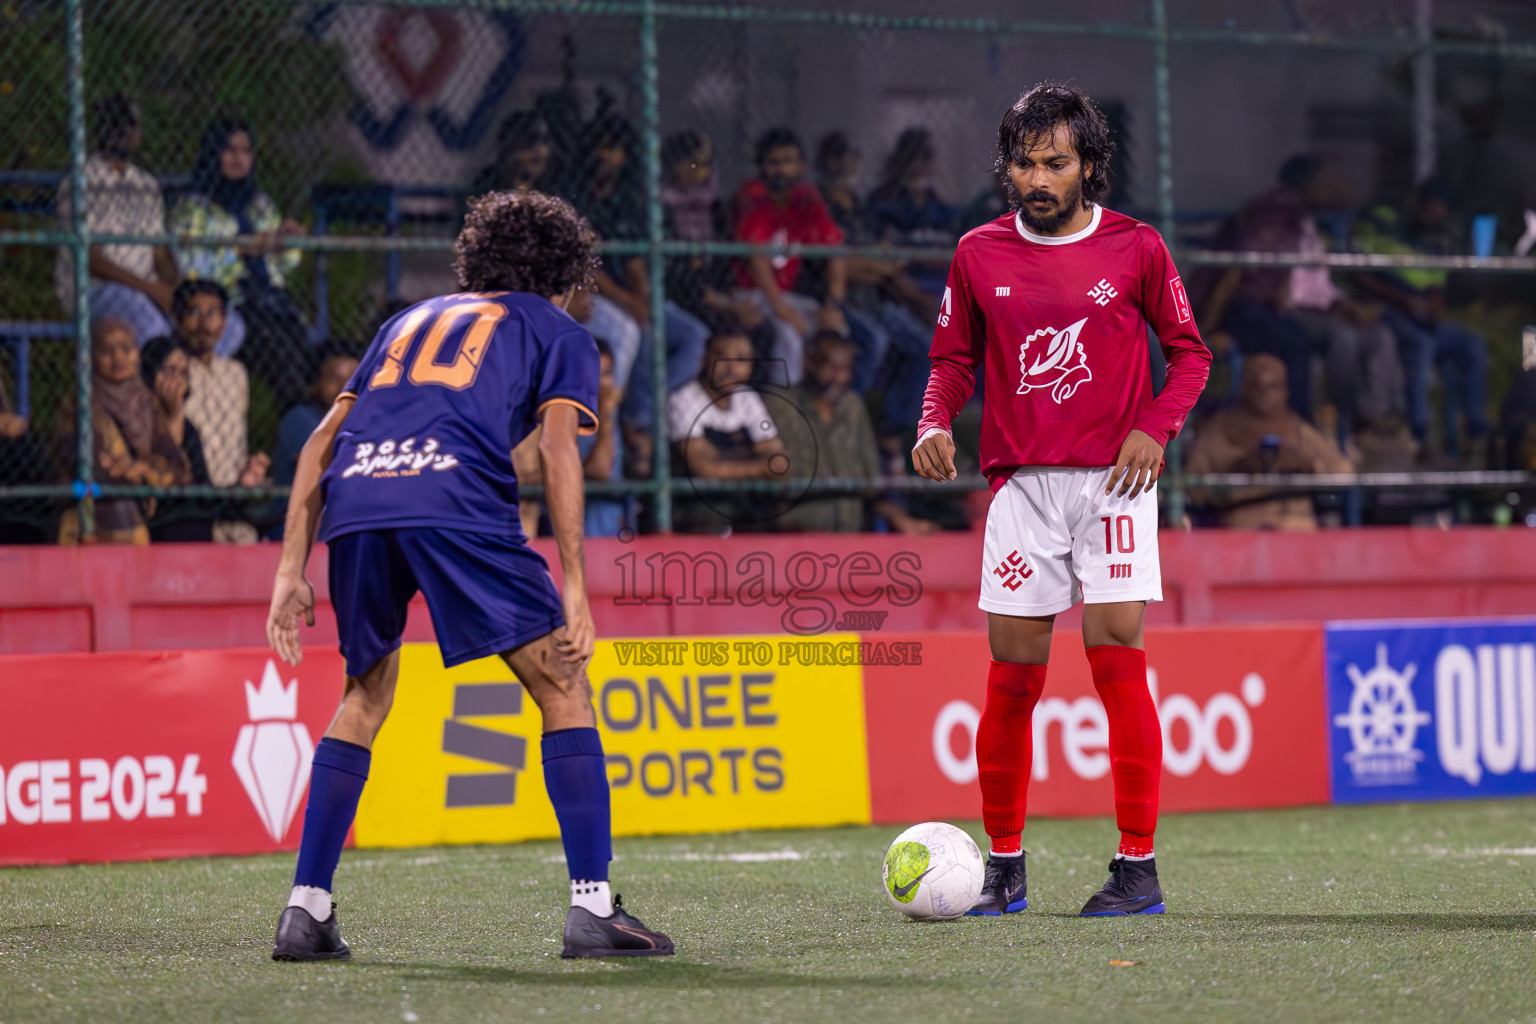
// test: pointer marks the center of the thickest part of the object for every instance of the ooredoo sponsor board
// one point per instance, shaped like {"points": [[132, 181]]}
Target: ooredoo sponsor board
{"points": [[1241, 713]]}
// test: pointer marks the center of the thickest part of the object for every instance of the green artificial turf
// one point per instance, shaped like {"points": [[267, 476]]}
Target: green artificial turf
{"points": [[1400, 913]]}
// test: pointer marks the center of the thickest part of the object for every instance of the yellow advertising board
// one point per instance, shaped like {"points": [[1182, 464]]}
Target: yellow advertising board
{"points": [[701, 734]]}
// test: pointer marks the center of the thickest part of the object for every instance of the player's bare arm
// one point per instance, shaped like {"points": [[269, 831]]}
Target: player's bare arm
{"points": [[561, 461], [293, 599], [1139, 465], [934, 457]]}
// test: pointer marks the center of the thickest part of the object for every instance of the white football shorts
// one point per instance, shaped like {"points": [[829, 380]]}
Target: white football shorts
{"points": [[1054, 538]]}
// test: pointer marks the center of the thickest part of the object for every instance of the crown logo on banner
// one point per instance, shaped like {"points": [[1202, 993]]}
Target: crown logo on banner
{"points": [[273, 700]]}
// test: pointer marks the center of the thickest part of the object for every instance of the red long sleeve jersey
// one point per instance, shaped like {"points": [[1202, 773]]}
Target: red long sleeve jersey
{"points": [[1061, 322]]}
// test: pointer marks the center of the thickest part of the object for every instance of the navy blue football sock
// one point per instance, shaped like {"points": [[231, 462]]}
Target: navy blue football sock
{"points": [[335, 783], [576, 775]]}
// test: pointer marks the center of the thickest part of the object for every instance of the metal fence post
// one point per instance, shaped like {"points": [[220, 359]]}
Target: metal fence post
{"points": [[650, 98], [81, 244], [1165, 219]]}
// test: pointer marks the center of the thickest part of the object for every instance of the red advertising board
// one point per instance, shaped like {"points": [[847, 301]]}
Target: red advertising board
{"points": [[142, 755], [1242, 711]]}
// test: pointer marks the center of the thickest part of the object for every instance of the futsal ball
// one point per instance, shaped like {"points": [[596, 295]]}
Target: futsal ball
{"points": [[933, 872]]}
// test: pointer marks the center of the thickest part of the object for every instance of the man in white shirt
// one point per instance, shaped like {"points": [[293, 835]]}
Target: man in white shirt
{"points": [[722, 431], [218, 400], [133, 283]]}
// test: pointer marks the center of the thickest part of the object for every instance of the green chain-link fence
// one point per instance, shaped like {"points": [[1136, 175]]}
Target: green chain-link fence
{"points": [[369, 125]]}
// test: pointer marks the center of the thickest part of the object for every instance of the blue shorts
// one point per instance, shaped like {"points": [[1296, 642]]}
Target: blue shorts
{"points": [[487, 593]]}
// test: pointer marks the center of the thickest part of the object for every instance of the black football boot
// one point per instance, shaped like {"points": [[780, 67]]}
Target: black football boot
{"points": [[301, 937], [1132, 889], [1002, 888], [619, 934]]}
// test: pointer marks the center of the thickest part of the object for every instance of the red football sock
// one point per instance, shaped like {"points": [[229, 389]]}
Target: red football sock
{"points": [[1005, 749], [1135, 742]]}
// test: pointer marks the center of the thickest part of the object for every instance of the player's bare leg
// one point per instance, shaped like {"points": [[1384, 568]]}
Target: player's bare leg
{"points": [[308, 928], [1021, 646], [575, 773], [1112, 634]]}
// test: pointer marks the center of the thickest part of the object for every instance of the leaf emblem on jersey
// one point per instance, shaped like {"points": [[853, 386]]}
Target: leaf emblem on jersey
{"points": [[1054, 359]]}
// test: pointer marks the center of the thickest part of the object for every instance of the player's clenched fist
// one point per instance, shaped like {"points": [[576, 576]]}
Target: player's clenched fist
{"points": [[1139, 465], [934, 456]]}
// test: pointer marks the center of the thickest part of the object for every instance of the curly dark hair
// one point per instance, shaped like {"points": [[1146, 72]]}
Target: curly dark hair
{"points": [[524, 241], [1034, 117]]}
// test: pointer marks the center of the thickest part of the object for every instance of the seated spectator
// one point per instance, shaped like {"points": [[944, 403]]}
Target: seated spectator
{"points": [[722, 431], [1261, 434], [218, 400], [612, 199], [132, 283], [166, 369], [523, 156], [906, 210], [1292, 313], [336, 364], [692, 212], [779, 207], [263, 321], [1413, 301], [130, 444], [831, 438], [600, 460]]}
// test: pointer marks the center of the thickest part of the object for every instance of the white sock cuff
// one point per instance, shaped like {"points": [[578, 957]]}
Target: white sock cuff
{"points": [[315, 900], [1137, 857], [592, 896], [1015, 853]]}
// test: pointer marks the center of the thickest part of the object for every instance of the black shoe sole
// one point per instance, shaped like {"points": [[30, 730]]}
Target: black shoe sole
{"points": [[296, 958], [598, 954]]}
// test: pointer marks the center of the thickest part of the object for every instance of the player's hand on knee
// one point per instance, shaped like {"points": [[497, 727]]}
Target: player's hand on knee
{"points": [[1139, 465], [934, 457], [293, 601], [576, 640]]}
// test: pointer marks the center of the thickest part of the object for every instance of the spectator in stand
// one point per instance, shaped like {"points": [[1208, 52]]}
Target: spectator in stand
{"points": [[600, 460], [692, 212], [218, 399], [722, 431], [523, 156], [832, 439], [166, 370], [1262, 434], [1517, 417], [1414, 309], [779, 207], [263, 322], [907, 210], [613, 201], [130, 282], [130, 444], [336, 362], [1292, 313]]}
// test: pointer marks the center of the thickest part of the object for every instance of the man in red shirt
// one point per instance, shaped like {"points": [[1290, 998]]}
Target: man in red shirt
{"points": [[780, 207], [1057, 295]]}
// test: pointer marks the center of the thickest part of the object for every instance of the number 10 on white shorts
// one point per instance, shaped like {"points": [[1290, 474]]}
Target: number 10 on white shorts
{"points": [[1054, 538]]}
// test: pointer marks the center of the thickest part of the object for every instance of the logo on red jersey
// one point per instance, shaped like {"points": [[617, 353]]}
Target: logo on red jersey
{"points": [[1062, 367], [1180, 300], [945, 312]]}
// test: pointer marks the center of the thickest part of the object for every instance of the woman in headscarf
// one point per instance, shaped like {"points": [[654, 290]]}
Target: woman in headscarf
{"points": [[129, 440], [164, 368], [264, 322]]}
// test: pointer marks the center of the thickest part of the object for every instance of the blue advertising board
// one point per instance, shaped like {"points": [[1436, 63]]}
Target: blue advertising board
{"points": [[1435, 710]]}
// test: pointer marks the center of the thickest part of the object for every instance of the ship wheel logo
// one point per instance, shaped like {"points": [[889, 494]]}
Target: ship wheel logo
{"points": [[1383, 718]]}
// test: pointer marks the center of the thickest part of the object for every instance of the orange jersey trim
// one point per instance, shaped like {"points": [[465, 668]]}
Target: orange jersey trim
{"points": [[579, 407]]}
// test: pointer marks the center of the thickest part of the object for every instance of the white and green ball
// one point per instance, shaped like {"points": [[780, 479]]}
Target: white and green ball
{"points": [[933, 872]]}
